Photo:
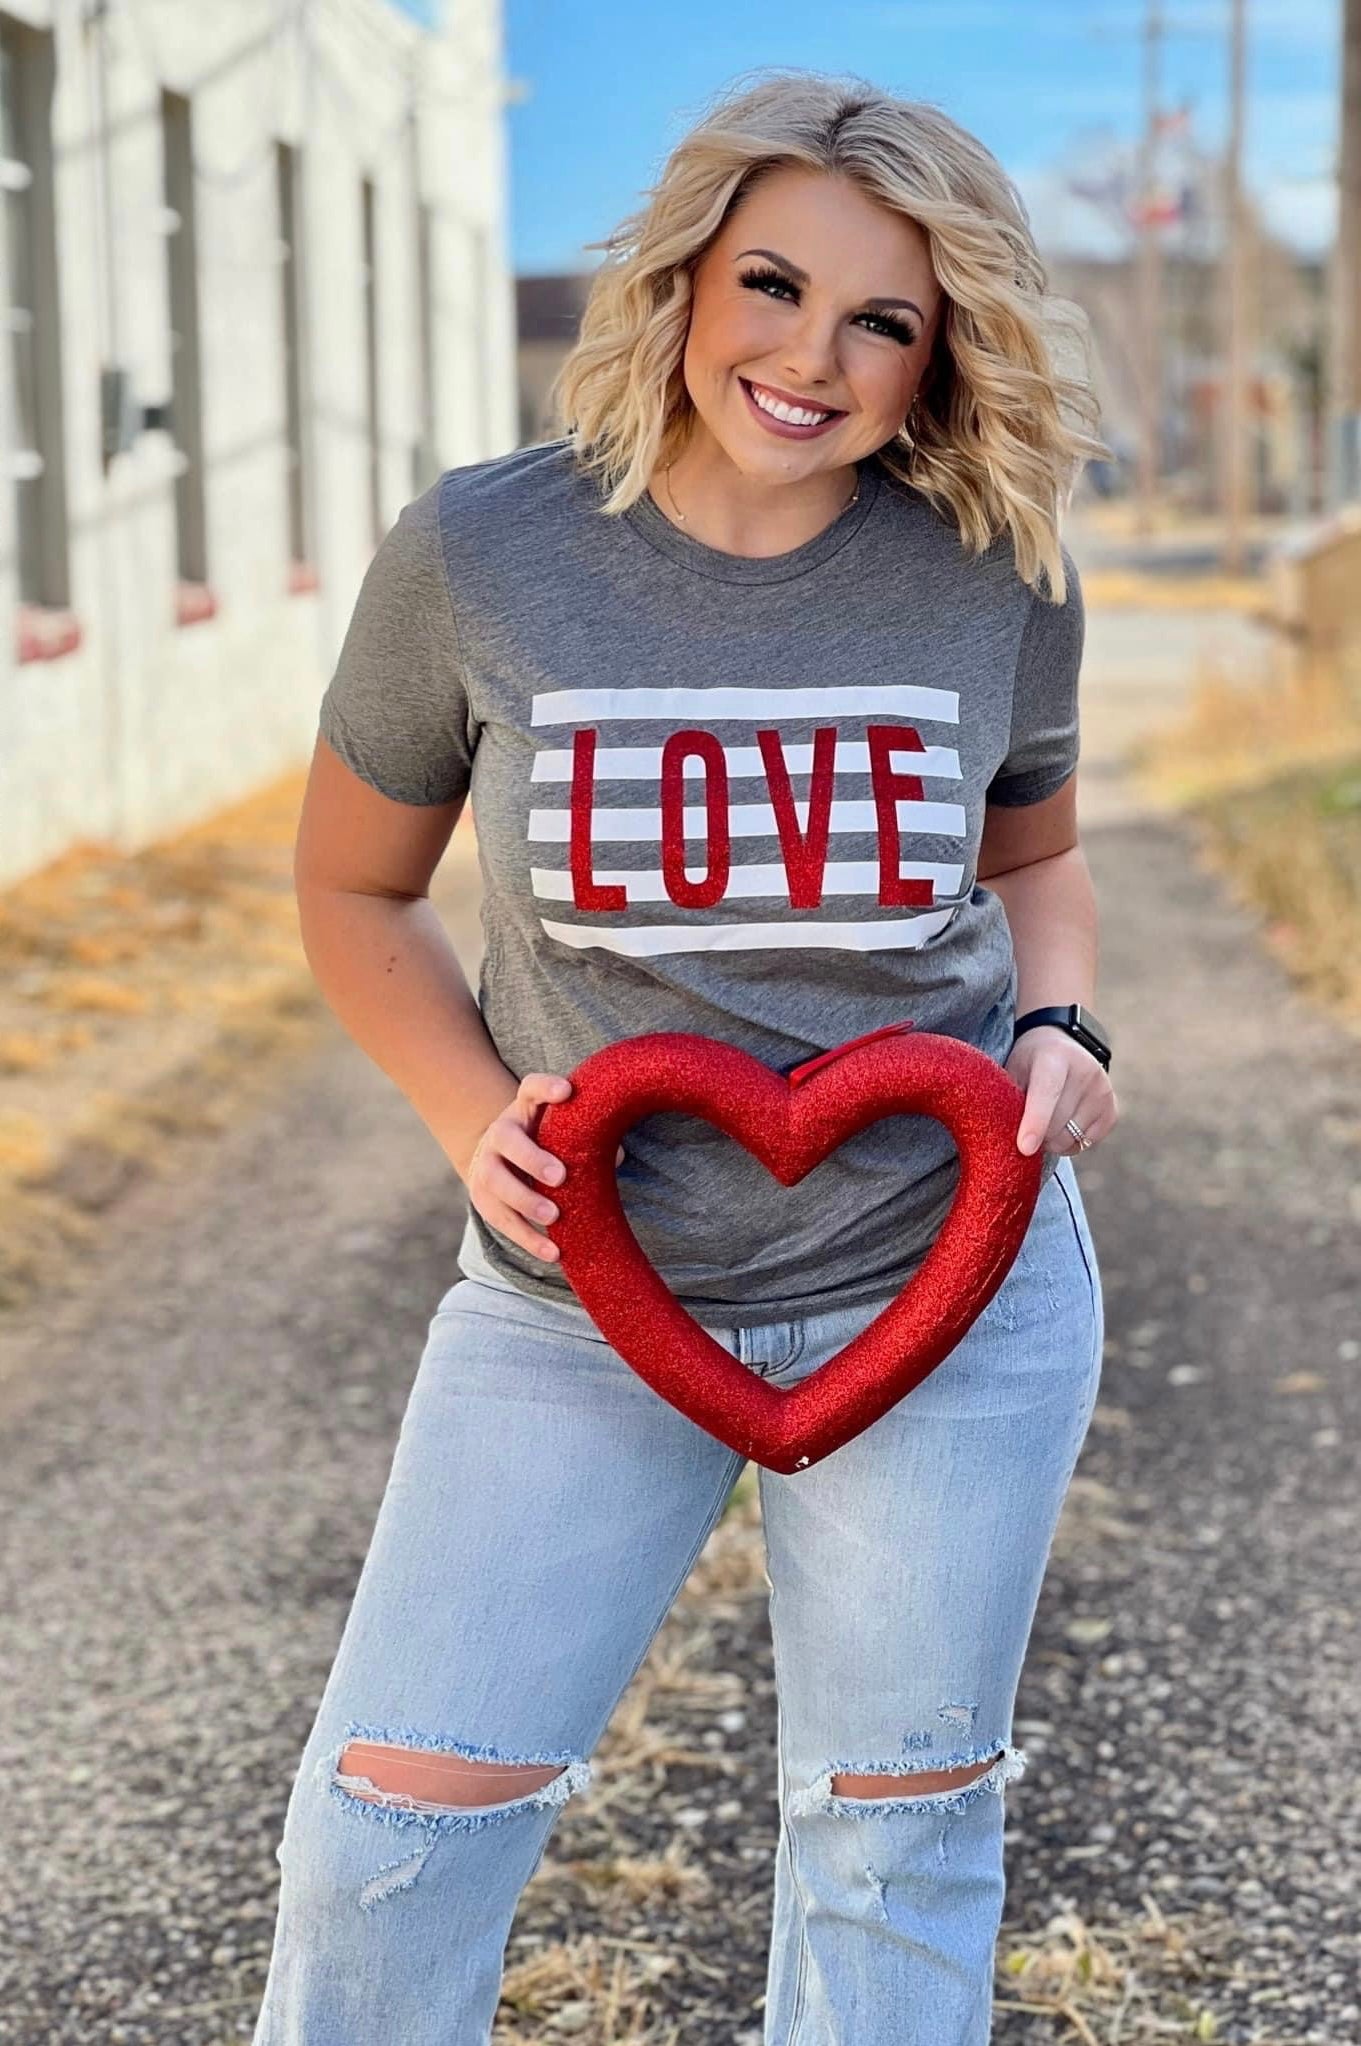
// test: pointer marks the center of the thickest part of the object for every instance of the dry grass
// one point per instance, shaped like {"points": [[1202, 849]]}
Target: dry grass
{"points": [[595, 1990], [1272, 771], [143, 998], [150, 997], [1126, 1985], [1239, 735], [1176, 587], [1138, 590]]}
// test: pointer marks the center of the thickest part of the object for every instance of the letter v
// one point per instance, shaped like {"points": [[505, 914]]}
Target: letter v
{"points": [[804, 851]]}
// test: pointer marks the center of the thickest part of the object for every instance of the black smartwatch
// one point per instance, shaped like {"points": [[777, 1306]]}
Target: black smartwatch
{"points": [[1077, 1021]]}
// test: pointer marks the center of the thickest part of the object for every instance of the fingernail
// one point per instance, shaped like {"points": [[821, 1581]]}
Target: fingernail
{"points": [[553, 1174], [546, 1212], [1026, 1143]]}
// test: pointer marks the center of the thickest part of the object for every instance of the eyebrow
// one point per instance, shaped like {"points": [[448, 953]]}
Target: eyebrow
{"points": [[801, 277]]}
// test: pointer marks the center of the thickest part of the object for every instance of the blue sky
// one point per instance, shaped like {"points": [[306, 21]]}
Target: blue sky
{"points": [[1048, 85]]}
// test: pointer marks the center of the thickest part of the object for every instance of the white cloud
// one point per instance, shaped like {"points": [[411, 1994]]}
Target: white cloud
{"points": [[1302, 211], [1062, 221]]}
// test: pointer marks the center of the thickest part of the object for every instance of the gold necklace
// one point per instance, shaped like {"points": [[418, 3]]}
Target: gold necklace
{"points": [[681, 515]]}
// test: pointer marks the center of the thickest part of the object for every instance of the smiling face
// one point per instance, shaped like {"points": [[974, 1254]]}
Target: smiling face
{"points": [[816, 299]]}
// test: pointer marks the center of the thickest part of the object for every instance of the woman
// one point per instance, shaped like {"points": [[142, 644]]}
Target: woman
{"points": [[754, 684]]}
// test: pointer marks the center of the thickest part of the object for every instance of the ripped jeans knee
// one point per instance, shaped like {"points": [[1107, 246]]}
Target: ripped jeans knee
{"points": [[429, 1785], [875, 1789], [887, 1832]]}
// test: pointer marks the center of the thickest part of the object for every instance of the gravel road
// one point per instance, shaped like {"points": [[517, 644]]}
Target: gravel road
{"points": [[196, 1437]]}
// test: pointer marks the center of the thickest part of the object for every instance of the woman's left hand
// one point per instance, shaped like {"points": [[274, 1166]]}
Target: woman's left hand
{"points": [[1061, 1079]]}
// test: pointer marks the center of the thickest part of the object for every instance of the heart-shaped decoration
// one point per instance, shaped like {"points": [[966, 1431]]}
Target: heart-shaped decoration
{"points": [[790, 1122]]}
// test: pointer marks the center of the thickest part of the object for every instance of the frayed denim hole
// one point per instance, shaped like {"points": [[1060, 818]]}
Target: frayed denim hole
{"points": [[462, 1818], [819, 1796], [387, 1808], [395, 1876], [399, 1734], [960, 1714]]}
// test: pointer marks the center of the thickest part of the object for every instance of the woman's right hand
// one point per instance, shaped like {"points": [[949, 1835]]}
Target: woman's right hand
{"points": [[505, 1153]]}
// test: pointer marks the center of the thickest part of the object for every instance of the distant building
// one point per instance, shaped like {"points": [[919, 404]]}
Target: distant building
{"points": [[257, 292], [548, 314], [1284, 399]]}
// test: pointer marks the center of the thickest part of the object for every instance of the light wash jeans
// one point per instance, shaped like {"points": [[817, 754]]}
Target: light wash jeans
{"points": [[544, 1508]]}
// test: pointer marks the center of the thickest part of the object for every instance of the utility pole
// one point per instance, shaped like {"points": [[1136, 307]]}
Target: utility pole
{"points": [[1149, 284], [1346, 366], [1233, 408]]}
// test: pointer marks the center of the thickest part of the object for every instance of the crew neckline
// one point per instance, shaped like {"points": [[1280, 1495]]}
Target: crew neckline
{"points": [[650, 522]]}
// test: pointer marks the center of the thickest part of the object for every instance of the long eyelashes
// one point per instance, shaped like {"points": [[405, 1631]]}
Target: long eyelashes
{"points": [[759, 279]]}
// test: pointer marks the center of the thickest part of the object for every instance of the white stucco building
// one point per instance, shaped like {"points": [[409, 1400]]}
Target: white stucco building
{"points": [[257, 291]]}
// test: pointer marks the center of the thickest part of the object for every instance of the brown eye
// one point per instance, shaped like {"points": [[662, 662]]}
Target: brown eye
{"points": [[896, 330], [757, 280]]}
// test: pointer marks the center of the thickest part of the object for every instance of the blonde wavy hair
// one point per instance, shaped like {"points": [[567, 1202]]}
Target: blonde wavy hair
{"points": [[1001, 432]]}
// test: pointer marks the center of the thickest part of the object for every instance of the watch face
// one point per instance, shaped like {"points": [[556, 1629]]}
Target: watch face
{"points": [[1085, 1020], [1089, 1032]]}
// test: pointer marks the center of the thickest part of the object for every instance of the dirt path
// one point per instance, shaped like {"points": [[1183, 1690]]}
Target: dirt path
{"points": [[195, 1442]]}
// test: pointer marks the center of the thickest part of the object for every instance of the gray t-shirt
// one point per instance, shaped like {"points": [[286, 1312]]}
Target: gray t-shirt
{"points": [[721, 794]]}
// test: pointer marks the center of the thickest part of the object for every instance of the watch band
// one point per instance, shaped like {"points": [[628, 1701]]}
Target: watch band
{"points": [[1080, 1024]]}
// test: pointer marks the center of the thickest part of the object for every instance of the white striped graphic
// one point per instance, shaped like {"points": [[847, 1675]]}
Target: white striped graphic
{"points": [[644, 763], [903, 933], [840, 877], [745, 820], [702, 706]]}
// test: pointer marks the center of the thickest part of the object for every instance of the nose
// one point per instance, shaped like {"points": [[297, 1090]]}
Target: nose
{"points": [[812, 357]]}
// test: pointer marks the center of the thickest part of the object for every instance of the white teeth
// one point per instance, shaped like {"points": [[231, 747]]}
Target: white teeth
{"points": [[791, 413]]}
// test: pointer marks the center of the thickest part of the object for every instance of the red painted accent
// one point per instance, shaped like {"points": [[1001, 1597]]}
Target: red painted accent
{"points": [[45, 632], [193, 603], [685, 893], [890, 784], [804, 852], [824, 1058], [587, 892]]}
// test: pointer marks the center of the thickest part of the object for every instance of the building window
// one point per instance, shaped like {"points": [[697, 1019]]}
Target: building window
{"points": [[294, 316], [370, 275], [37, 455], [186, 380], [425, 453]]}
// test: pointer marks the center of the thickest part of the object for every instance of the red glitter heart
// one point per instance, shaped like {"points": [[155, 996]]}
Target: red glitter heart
{"points": [[790, 1122]]}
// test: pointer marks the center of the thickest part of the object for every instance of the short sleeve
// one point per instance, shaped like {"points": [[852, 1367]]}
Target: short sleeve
{"points": [[396, 709], [1043, 747]]}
